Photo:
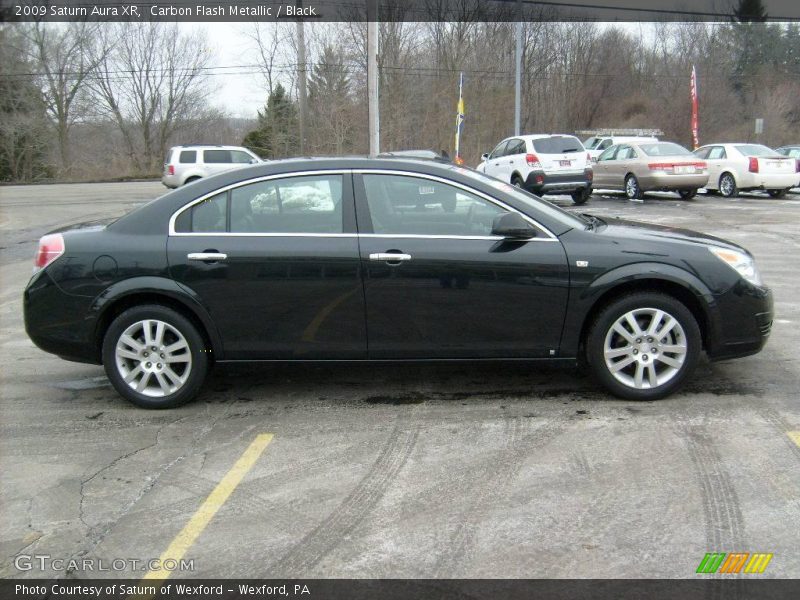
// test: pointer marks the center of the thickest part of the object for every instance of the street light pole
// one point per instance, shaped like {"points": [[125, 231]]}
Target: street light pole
{"points": [[372, 78]]}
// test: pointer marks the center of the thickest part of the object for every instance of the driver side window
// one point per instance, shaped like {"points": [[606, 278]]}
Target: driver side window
{"points": [[499, 149], [608, 154], [406, 205]]}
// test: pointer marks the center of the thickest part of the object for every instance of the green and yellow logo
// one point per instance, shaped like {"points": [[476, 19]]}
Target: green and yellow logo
{"points": [[734, 562]]}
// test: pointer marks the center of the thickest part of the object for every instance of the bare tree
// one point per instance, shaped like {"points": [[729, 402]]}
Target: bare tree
{"points": [[64, 57], [151, 82]]}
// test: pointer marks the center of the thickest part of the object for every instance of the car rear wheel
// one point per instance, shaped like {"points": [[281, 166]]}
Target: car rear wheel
{"points": [[643, 346], [581, 196], [632, 189], [190, 180], [776, 193], [727, 185], [155, 357], [516, 180], [687, 194]]}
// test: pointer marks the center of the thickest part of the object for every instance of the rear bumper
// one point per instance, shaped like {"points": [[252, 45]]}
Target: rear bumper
{"points": [[539, 182], [768, 181], [59, 323], [743, 318]]}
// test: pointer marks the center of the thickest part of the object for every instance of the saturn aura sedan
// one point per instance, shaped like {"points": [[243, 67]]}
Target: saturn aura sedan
{"points": [[637, 167], [366, 260]]}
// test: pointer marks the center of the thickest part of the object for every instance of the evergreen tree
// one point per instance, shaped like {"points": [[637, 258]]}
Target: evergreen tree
{"points": [[276, 134]]}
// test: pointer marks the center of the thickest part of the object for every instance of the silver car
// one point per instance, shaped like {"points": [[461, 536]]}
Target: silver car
{"points": [[185, 164], [638, 167]]}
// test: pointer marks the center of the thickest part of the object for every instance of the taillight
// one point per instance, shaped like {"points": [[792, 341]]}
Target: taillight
{"points": [[50, 248], [171, 169], [753, 168], [533, 161], [668, 167]]}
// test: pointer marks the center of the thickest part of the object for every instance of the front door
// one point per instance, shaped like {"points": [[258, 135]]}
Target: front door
{"points": [[276, 264], [604, 170], [438, 284]]}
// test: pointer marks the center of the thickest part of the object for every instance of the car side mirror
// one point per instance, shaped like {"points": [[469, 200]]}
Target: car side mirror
{"points": [[485, 156], [512, 225]]}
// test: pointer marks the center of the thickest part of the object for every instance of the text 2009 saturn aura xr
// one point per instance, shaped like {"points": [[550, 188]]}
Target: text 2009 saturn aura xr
{"points": [[386, 259]]}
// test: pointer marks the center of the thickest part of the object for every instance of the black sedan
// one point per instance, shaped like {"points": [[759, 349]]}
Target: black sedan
{"points": [[386, 259]]}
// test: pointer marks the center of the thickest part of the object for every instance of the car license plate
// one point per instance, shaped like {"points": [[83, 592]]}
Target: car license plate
{"points": [[775, 163], [683, 169], [565, 163]]}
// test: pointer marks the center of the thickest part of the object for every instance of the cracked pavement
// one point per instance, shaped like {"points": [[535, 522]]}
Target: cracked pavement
{"points": [[406, 470]]}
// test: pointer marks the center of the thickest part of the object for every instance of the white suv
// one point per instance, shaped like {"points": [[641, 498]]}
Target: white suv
{"points": [[542, 164], [185, 164]]}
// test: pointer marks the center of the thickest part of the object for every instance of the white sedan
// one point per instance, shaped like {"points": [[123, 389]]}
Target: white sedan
{"points": [[742, 167]]}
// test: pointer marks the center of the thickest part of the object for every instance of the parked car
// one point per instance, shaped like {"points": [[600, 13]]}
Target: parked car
{"points": [[185, 164], [307, 260], [596, 145], [542, 164], [638, 167], [743, 167], [794, 152]]}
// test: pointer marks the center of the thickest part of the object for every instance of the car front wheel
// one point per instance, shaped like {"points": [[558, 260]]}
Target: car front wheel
{"points": [[632, 189], [155, 357], [643, 346]]}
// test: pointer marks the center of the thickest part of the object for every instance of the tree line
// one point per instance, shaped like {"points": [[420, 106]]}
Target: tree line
{"points": [[84, 100]]}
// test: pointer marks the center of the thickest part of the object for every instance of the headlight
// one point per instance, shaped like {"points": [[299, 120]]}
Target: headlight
{"points": [[740, 262]]}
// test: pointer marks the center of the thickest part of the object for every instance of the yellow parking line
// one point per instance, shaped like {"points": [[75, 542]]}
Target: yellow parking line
{"points": [[794, 436], [210, 506]]}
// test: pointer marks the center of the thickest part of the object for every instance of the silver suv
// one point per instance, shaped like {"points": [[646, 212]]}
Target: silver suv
{"points": [[185, 164]]}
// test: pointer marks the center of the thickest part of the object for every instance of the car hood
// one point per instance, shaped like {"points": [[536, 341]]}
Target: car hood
{"points": [[646, 232]]}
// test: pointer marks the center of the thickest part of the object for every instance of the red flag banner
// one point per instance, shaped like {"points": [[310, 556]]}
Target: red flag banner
{"points": [[695, 119]]}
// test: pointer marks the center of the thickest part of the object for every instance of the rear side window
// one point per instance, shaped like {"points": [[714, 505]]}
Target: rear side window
{"points": [[515, 147], [188, 156], [209, 216], [557, 145], [311, 204], [217, 156]]}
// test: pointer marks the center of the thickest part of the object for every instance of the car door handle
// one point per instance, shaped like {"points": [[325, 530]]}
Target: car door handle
{"points": [[389, 256], [206, 256]]}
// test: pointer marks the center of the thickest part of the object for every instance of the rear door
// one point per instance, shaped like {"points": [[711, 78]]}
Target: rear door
{"points": [[275, 262], [438, 284], [217, 160]]}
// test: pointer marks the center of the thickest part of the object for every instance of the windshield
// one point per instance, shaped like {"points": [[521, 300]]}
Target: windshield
{"points": [[534, 202], [755, 150], [664, 149], [557, 145]]}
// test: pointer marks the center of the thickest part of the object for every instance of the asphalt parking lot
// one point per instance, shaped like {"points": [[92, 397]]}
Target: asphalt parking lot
{"points": [[404, 471]]}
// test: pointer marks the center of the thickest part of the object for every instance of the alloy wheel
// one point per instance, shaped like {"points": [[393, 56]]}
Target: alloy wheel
{"points": [[153, 358], [645, 348], [727, 185], [631, 187]]}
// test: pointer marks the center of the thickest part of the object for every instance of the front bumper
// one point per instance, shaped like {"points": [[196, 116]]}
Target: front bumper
{"points": [[539, 182], [742, 322]]}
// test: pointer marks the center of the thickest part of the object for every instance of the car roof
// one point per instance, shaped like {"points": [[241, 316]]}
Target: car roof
{"points": [[209, 146]]}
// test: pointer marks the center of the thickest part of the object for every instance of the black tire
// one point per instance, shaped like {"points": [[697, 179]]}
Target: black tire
{"points": [[727, 185], [581, 196], [516, 180], [632, 188], [777, 193], [687, 194], [599, 329], [197, 349], [712, 192], [190, 180]]}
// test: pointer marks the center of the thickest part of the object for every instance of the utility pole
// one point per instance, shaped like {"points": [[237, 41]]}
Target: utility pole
{"points": [[518, 74], [372, 78], [301, 84]]}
